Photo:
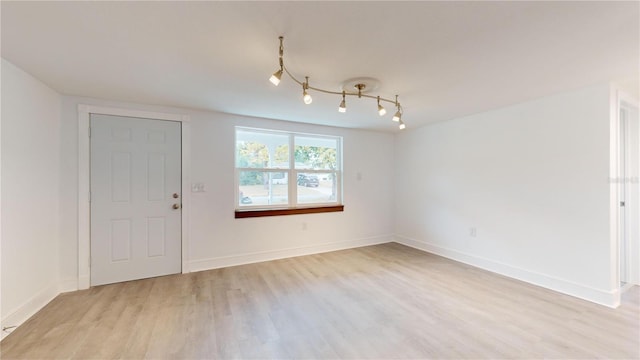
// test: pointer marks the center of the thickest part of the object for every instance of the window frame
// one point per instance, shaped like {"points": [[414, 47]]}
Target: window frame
{"points": [[292, 206]]}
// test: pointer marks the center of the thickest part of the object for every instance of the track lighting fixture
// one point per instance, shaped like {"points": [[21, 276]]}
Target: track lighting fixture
{"points": [[361, 88], [275, 78], [305, 95], [343, 104], [381, 110], [398, 115]]}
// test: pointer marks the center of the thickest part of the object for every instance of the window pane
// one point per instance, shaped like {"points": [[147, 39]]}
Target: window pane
{"points": [[272, 174], [256, 149], [262, 188], [317, 188], [316, 153]]}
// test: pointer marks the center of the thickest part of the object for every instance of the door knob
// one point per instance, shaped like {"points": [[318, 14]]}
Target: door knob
{"points": [[176, 206]]}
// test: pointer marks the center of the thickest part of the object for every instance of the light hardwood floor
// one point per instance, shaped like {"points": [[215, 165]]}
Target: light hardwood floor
{"points": [[384, 302]]}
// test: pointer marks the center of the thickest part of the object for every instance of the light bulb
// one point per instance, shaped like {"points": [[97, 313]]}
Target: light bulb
{"points": [[343, 107], [381, 110], [275, 78], [402, 126], [343, 104], [306, 97], [397, 116]]}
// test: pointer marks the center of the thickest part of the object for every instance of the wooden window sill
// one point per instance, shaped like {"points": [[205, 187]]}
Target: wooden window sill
{"points": [[240, 214]]}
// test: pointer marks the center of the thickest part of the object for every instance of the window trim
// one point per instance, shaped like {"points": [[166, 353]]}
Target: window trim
{"points": [[292, 207], [241, 214]]}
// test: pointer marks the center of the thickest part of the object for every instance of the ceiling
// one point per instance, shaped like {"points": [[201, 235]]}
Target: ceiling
{"points": [[444, 59]]}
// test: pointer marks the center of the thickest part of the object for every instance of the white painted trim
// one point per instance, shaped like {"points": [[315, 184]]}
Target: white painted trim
{"points": [[67, 285], [602, 297], [84, 218], [625, 101], [629, 100], [91, 109], [255, 257], [18, 316], [614, 201], [624, 164], [1, 320], [84, 280], [617, 99], [84, 208], [186, 190]]}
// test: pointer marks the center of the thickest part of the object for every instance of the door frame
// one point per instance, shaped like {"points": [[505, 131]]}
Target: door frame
{"points": [[84, 185], [623, 195], [628, 222], [619, 99]]}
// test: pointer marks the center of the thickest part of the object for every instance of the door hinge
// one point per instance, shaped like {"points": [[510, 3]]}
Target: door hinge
{"points": [[89, 261], [89, 131], [89, 196]]}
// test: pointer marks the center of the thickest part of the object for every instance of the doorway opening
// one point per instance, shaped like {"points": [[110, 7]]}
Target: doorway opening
{"points": [[628, 194]]}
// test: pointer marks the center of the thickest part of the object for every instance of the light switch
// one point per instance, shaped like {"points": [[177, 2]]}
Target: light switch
{"points": [[197, 187]]}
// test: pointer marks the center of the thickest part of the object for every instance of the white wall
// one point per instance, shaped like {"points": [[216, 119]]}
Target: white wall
{"points": [[531, 178], [30, 194], [216, 238]]}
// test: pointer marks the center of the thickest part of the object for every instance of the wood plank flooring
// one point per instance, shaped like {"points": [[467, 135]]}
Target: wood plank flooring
{"points": [[378, 302]]}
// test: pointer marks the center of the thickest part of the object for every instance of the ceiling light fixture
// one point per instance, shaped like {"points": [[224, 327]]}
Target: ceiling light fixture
{"points": [[398, 115], [343, 103], [381, 110], [306, 97], [275, 78]]}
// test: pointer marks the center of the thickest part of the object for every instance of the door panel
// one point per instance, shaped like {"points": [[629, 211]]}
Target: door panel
{"points": [[135, 172]]}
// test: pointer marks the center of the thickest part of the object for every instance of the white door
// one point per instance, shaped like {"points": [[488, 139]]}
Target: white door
{"points": [[135, 198]]}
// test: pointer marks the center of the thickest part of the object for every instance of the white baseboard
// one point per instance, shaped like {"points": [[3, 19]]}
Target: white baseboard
{"points": [[84, 282], [68, 285], [18, 316], [602, 297], [249, 258]]}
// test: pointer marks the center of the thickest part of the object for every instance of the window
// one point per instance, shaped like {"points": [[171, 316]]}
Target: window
{"points": [[281, 170]]}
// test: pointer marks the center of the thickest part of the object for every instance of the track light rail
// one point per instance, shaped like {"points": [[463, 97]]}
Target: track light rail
{"points": [[275, 79], [347, 93]]}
